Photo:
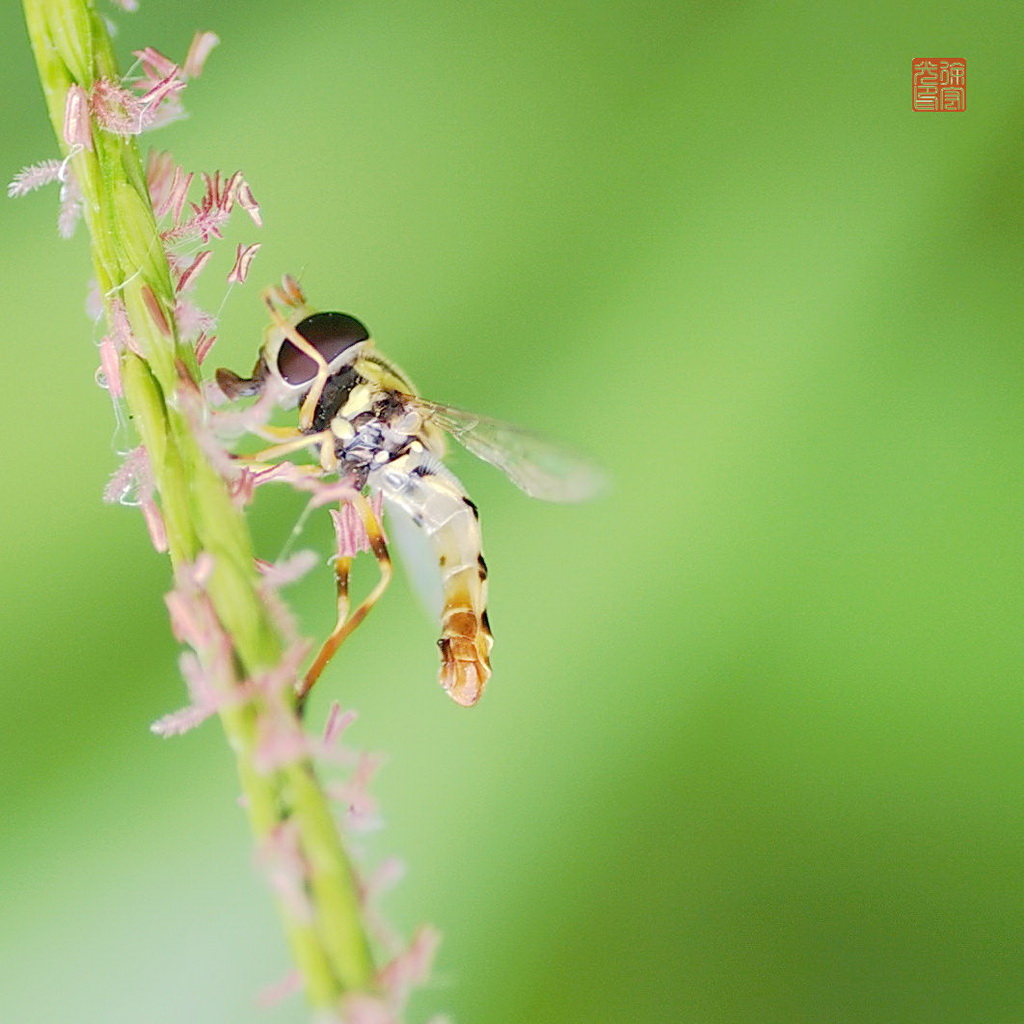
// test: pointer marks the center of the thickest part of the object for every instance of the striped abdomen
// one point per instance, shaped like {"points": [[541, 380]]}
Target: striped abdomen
{"points": [[440, 508]]}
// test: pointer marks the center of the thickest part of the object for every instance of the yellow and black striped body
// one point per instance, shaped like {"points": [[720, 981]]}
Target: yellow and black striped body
{"points": [[385, 440], [362, 417]]}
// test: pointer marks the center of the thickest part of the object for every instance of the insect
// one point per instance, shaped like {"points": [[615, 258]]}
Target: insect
{"points": [[361, 416]]}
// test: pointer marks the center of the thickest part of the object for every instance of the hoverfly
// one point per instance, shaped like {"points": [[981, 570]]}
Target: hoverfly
{"points": [[362, 417]]}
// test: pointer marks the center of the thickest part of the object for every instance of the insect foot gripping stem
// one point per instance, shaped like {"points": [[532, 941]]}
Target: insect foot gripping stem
{"points": [[465, 655]]}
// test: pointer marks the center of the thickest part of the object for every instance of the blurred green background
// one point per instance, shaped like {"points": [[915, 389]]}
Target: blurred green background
{"points": [[753, 746]]}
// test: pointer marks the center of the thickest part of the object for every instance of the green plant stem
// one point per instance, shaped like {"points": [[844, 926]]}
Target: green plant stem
{"points": [[72, 47]]}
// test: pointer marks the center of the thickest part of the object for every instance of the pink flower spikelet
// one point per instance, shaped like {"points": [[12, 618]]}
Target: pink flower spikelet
{"points": [[28, 179]]}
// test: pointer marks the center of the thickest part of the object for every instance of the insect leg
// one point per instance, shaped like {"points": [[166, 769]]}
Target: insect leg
{"points": [[324, 440], [347, 624], [342, 569], [297, 442], [316, 386], [288, 293]]}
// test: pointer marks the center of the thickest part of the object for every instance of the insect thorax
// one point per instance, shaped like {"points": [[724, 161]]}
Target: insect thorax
{"points": [[373, 424]]}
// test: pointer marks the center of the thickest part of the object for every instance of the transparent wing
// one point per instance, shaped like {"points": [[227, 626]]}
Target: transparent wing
{"points": [[537, 465], [417, 557]]}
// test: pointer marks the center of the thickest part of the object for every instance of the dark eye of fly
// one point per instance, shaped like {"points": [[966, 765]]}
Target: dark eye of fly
{"points": [[329, 333]]}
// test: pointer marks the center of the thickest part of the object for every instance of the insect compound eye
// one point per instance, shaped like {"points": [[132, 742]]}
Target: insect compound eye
{"points": [[331, 334]]}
